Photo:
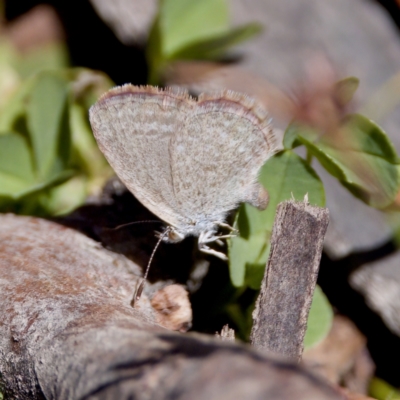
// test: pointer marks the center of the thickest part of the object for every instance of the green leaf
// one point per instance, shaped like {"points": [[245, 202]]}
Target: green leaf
{"points": [[16, 167], [47, 120], [291, 136], [86, 155], [64, 197], [285, 176], [384, 100], [49, 183], [185, 22], [154, 54], [216, 47], [15, 107], [17, 177], [361, 157], [186, 29], [255, 272], [248, 255], [345, 89], [50, 56], [381, 390], [87, 85], [319, 320]]}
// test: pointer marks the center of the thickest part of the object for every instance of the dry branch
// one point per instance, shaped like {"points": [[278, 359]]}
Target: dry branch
{"points": [[68, 332], [280, 317]]}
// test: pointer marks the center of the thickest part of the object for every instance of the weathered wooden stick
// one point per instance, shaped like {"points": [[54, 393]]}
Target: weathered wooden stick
{"points": [[67, 332], [280, 316]]}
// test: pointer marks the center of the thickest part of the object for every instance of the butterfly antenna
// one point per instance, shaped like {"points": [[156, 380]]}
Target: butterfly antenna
{"points": [[149, 221], [140, 288]]}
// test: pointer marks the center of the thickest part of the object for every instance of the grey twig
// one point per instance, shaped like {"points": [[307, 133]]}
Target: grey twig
{"points": [[280, 317]]}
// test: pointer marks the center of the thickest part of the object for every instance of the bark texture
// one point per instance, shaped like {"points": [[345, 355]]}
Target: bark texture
{"points": [[280, 316], [68, 332]]}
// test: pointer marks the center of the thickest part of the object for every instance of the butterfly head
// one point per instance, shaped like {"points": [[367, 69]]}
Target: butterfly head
{"points": [[190, 228]]}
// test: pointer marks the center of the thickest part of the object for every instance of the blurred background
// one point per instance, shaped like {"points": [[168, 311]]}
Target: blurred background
{"points": [[58, 57]]}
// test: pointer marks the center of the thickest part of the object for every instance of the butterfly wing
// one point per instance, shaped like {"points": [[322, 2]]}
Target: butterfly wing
{"points": [[133, 127], [216, 157]]}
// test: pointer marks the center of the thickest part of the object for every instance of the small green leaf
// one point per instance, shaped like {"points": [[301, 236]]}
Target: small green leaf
{"points": [[319, 319], [154, 53], [361, 157], [47, 120], [87, 85], [48, 183], [64, 197], [246, 255], [384, 100], [185, 22], [186, 29], [345, 89], [291, 136], [16, 168], [216, 47], [381, 390], [285, 176], [50, 56], [86, 156], [15, 157], [15, 107], [255, 272], [18, 179]]}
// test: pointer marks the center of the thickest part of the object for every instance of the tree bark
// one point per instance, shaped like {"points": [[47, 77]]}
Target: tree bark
{"points": [[68, 331], [281, 313]]}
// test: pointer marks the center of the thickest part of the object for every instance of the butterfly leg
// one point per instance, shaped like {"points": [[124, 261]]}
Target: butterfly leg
{"points": [[225, 225], [207, 237], [216, 238], [208, 250]]}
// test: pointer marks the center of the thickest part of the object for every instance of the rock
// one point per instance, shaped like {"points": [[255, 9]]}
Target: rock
{"points": [[379, 283]]}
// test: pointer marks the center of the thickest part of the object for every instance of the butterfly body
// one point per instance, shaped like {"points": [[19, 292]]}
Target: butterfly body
{"points": [[188, 161]]}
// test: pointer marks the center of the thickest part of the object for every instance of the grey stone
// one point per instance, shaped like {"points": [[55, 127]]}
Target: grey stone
{"points": [[379, 283]]}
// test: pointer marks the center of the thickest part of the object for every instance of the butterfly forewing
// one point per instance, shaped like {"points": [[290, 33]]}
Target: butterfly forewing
{"points": [[133, 128]]}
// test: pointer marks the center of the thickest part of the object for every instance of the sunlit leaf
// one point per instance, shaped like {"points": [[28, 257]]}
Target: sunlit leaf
{"points": [[17, 174], [248, 255], [185, 29], [15, 106], [154, 54], [285, 176], [86, 156], [216, 47], [319, 320], [15, 159], [291, 137], [47, 120], [65, 197], [345, 89], [50, 56], [381, 390], [86, 85], [361, 156], [384, 100], [185, 22]]}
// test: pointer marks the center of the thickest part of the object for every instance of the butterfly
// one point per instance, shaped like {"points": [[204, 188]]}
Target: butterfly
{"points": [[189, 161]]}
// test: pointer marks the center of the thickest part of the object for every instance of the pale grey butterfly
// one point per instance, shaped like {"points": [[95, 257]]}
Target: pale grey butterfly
{"points": [[189, 161]]}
